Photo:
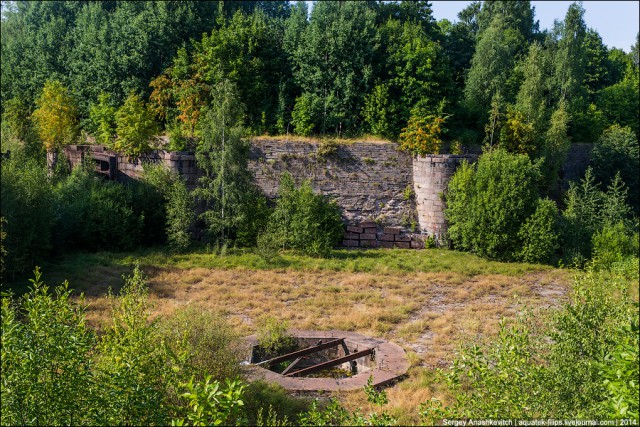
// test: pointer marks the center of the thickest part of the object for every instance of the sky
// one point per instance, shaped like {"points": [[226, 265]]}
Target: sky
{"points": [[617, 22]]}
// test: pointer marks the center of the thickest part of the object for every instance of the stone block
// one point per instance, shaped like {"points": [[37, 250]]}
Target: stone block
{"points": [[350, 243], [392, 230], [402, 245], [366, 224], [351, 236], [417, 244], [402, 238], [371, 230], [386, 237], [387, 245], [369, 243], [368, 236], [354, 229]]}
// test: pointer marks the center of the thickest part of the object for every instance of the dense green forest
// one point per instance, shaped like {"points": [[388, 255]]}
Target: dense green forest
{"points": [[209, 74]]}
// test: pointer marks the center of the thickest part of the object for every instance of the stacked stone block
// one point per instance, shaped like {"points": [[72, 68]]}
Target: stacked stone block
{"points": [[368, 234]]}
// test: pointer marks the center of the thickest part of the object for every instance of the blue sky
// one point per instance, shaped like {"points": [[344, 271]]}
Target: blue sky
{"points": [[617, 22]]}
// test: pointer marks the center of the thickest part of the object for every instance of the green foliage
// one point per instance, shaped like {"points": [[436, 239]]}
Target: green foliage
{"points": [[333, 62], [499, 381], [46, 358], [620, 373], [273, 337], [303, 220], [612, 244], [525, 375], [492, 63], [213, 404], [335, 414], [223, 154], [103, 118], [540, 234], [135, 126], [202, 342], [96, 214], [131, 366], [304, 113], [516, 134], [555, 144], [488, 203], [56, 117], [27, 205], [588, 210], [422, 135], [178, 204], [377, 112], [617, 151], [620, 103]]}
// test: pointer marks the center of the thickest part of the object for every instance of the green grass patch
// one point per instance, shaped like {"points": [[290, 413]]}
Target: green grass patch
{"points": [[80, 268]]}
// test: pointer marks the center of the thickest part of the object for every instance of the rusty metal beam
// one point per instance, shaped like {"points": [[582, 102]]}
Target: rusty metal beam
{"points": [[303, 352], [331, 363], [290, 367]]}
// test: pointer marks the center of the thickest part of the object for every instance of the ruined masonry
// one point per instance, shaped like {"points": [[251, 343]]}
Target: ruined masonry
{"points": [[388, 199]]}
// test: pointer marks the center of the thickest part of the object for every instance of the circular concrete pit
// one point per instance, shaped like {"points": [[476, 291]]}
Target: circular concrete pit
{"points": [[329, 361]]}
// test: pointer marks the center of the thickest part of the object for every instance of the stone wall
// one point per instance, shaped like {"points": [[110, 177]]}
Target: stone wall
{"points": [[369, 181], [431, 175], [373, 183]]}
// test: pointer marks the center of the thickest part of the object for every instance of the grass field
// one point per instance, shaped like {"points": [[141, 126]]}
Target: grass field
{"points": [[427, 301]]}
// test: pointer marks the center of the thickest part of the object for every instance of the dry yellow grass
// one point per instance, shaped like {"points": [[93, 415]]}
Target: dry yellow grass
{"points": [[428, 314]]}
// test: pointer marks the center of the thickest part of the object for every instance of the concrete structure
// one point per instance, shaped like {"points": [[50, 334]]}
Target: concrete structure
{"points": [[376, 185], [389, 363]]}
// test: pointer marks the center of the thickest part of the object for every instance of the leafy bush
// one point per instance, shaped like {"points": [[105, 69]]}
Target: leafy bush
{"points": [[26, 197], [540, 233], [588, 210], [423, 134], [213, 404], [580, 361], [203, 342], [488, 203], [304, 111], [612, 244], [303, 220], [46, 359], [96, 214], [273, 338], [178, 204]]}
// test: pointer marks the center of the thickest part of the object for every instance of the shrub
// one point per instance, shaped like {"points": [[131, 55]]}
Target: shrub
{"points": [[96, 214], [539, 233], [212, 404], [423, 134], [26, 197], [488, 203], [302, 116], [203, 342], [612, 244], [46, 358], [304, 220], [176, 202], [273, 338], [580, 361]]}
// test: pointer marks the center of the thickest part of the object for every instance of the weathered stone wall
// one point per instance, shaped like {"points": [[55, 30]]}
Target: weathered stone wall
{"points": [[369, 181], [431, 175]]}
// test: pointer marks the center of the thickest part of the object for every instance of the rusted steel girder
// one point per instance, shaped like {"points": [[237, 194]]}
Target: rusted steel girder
{"points": [[303, 352], [331, 363]]}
